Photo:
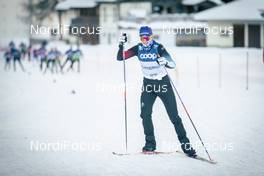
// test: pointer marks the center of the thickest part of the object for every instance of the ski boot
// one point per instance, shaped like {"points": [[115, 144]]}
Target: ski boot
{"points": [[191, 153], [147, 149]]}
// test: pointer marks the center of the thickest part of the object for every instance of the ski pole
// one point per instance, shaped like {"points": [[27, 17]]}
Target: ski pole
{"points": [[188, 114], [125, 100]]}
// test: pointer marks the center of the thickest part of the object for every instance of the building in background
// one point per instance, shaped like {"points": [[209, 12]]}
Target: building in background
{"points": [[112, 13], [128, 16], [114, 16], [79, 13], [194, 6], [246, 18]]}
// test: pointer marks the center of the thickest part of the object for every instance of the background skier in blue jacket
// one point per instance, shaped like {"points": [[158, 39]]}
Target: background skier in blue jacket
{"points": [[7, 56], [16, 55], [154, 58]]}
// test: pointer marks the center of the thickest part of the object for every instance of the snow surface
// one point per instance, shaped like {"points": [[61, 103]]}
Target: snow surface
{"points": [[68, 4], [37, 107], [194, 2], [164, 24]]}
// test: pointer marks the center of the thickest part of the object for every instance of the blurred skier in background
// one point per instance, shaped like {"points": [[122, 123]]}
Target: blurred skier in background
{"points": [[58, 59], [29, 51], [68, 54], [41, 53], [75, 58], [16, 56], [52, 60], [23, 50], [154, 60], [8, 57]]}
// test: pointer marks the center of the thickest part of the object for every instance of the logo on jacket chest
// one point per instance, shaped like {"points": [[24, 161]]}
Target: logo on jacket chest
{"points": [[148, 55], [152, 56]]}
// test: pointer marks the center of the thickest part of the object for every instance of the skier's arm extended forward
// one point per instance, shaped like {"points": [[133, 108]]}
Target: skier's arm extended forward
{"points": [[165, 57], [129, 53]]}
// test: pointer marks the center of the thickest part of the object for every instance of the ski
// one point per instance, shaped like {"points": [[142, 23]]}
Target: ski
{"points": [[165, 153], [144, 153]]}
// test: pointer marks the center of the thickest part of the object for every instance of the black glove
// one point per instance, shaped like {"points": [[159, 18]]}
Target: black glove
{"points": [[122, 39]]}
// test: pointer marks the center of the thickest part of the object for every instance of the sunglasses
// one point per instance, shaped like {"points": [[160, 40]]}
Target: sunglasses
{"points": [[145, 37]]}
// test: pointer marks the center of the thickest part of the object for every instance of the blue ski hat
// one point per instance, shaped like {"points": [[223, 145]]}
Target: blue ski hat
{"points": [[145, 30]]}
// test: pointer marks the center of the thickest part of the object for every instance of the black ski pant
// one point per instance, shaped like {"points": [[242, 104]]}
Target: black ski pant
{"points": [[7, 63], [51, 64], [150, 91], [72, 64], [18, 59], [68, 59], [42, 62]]}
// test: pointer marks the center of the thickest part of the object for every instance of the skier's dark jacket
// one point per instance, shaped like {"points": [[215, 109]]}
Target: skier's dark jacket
{"points": [[148, 57], [133, 51]]}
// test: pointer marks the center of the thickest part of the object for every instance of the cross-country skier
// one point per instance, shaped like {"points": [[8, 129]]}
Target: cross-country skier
{"points": [[23, 49], [154, 58], [42, 54], [68, 54], [16, 55], [8, 57], [52, 60], [75, 57], [29, 51], [58, 58]]}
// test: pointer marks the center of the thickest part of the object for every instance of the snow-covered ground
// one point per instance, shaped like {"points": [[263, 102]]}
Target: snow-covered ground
{"points": [[42, 109]]}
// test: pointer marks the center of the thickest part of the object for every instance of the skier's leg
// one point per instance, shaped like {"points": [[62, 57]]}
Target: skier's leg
{"points": [[79, 66], [71, 66], [56, 62], [147, 100], [47, 66], [168, 99], [6, 64], [21, 65], [65, 62], [29, 56], [52, 66], [14, 62], [41, 64]]}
